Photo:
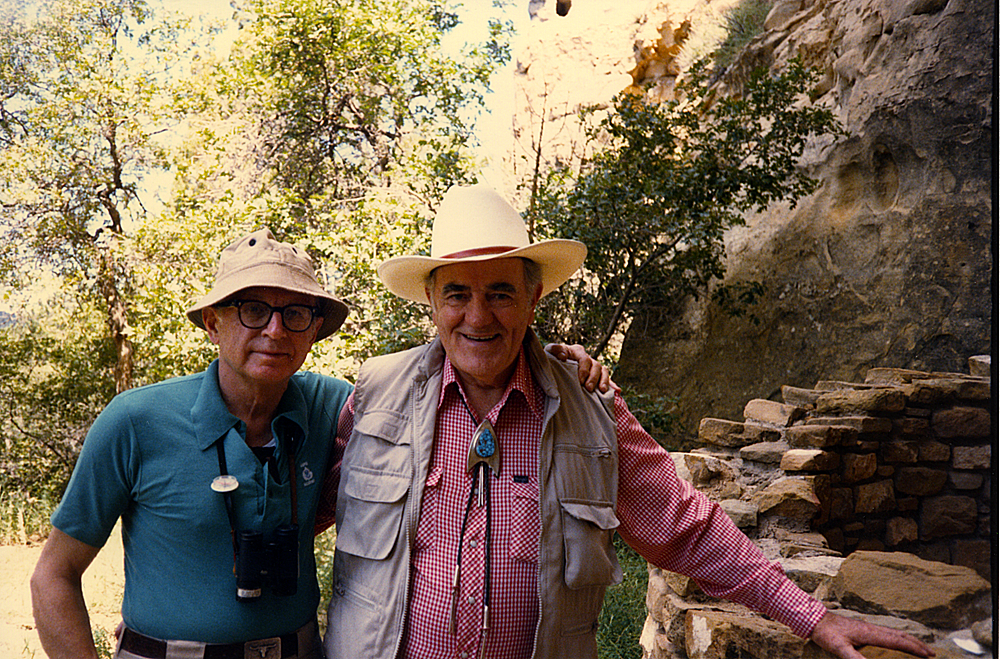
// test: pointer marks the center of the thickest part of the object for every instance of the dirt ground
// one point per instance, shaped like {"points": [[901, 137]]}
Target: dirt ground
{"points": [[102, 588]]}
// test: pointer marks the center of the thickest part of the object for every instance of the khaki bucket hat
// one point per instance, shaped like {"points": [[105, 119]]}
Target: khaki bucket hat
{"points": [[474, 223], [258, 259]]}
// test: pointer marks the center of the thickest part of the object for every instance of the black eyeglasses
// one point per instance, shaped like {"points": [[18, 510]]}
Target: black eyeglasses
{"points": [[256, 315]]}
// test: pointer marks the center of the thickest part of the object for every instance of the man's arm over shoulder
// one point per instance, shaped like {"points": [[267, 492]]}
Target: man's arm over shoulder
{"points": [[326, 513], [57, 597]]}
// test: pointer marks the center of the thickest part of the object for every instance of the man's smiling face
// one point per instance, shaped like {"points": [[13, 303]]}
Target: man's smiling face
{"points": [[482, 310]]}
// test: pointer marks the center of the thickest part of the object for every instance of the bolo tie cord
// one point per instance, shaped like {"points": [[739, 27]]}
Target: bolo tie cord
{"points": [[488, 559], [480, 476], [480, 464]]}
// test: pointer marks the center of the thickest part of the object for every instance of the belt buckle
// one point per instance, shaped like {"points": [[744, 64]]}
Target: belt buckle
{"points": [[263, 648]]}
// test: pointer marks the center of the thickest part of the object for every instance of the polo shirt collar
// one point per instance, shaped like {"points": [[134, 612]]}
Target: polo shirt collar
{"points": [[212, 419], [292, 408], [209, 414]]}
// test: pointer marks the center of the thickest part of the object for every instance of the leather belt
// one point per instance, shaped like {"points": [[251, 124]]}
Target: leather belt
{"points": [[153, 648]]}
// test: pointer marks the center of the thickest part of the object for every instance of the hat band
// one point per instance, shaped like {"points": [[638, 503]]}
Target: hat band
{"points": [[478, 251]]}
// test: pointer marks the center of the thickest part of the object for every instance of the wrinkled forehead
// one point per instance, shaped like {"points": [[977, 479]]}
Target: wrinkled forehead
{"points": [[490, 273], [273, 295]]}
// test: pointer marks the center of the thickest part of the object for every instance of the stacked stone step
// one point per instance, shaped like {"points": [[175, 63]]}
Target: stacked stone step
{"points": [[900, 462]]}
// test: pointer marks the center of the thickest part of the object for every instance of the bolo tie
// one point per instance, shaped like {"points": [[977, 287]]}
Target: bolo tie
{"points": [[484, 458]]}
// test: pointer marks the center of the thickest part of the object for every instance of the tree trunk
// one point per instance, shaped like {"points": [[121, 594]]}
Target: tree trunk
{"points": [[117, 317]]}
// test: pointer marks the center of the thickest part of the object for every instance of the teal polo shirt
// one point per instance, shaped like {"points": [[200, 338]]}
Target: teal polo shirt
{"points": [[150, 459]]}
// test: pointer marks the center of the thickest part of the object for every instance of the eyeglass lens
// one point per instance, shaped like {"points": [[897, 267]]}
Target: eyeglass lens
{"points": [[255, 315]]}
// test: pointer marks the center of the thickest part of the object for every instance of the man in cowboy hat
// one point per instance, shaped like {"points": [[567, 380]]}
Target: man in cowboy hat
{"points": [[214, 476], [480, 487]]}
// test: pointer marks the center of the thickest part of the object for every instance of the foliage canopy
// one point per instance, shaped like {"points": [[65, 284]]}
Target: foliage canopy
{"points": [[664, 184], [338, 126], [334, 124]]}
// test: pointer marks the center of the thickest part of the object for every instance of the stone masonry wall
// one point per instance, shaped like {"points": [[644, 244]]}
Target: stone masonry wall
{"points": [[899, 465], [899, 462]]}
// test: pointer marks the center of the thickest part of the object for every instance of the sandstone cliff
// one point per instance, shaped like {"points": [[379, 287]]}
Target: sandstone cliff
{"points": [[887, 264]]}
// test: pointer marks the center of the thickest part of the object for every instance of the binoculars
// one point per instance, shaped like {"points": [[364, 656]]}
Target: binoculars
{"points": [[275, 564]]}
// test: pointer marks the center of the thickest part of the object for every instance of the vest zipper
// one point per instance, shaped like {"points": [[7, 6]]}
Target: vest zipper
{"points": [[542, 478], [412, 517]]}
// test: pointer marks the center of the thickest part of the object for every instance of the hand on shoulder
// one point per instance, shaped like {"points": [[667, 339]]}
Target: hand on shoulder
{"points": [[593, 375]]}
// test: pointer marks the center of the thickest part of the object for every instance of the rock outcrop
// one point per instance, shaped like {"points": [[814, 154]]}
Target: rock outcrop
{"points": [[889, 261]]}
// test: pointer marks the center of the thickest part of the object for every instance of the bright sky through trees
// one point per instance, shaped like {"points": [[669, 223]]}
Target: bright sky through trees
{"points": [[493, 126]]}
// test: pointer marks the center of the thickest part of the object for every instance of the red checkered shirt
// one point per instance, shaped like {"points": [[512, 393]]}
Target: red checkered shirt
{"points": [[662, 517]]}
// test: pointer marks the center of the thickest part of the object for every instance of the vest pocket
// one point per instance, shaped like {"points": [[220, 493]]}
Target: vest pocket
{"points": [[590, 555], [584, 473], [379, 443], [356, 612], [372, 513]]}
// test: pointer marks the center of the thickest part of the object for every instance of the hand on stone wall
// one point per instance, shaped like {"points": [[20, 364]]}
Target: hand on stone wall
{"points": [[840, 636]]}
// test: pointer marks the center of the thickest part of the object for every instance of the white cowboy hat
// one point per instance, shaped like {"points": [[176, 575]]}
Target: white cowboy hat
{"points": [[474, 223], [258, 259]]}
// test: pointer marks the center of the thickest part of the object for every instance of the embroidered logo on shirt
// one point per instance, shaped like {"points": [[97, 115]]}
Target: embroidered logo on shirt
{"points": [[308, 478]]}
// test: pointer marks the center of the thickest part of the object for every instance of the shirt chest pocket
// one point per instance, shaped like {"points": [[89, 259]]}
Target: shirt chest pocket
{"points": [[375, 481], [525, 524]]}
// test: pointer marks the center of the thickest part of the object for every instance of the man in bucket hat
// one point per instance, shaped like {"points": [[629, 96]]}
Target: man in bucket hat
{"points": [[215, 477], [193, 464], [480, 487]]}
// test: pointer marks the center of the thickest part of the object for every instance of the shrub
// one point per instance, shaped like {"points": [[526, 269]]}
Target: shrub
{"points": [[744, 21]]}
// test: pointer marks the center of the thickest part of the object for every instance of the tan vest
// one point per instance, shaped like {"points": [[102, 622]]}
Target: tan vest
{"points": [[381, 488]]}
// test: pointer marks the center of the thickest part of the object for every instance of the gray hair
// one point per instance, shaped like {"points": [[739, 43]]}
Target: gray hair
{"points": [[532, 274]]}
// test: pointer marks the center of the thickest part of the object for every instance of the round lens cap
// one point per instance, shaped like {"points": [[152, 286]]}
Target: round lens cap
{"points": [[225, 483]]}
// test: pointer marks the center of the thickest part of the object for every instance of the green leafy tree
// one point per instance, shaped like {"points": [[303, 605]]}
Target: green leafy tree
{"points": [[338, 126], [340, 90], [84, 95], [48, 391], [664, 184]]}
